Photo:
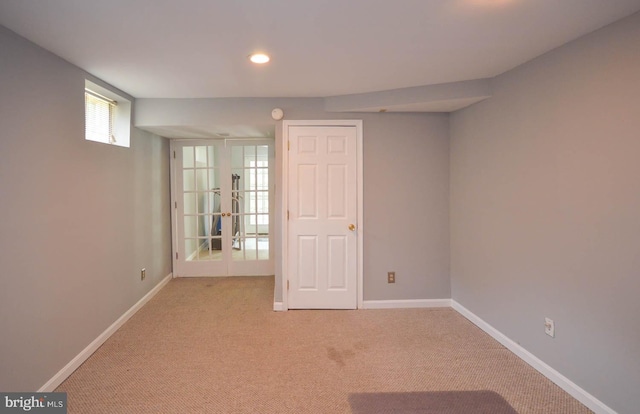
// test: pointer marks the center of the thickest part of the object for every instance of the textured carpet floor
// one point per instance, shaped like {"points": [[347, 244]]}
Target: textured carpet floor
{"points": [[215, 346]]}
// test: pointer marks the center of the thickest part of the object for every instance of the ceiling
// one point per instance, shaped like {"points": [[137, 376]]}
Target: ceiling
{"points": [[319, 48]]}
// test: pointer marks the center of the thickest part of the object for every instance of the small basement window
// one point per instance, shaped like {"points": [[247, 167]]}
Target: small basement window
{"points": [[107, 116]]}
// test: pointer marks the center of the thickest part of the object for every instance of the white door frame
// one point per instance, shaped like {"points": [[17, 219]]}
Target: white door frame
{"points": [[284, 199]]}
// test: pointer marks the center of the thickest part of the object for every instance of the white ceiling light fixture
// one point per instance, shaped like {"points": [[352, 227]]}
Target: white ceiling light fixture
{"points": [[259, 58]]}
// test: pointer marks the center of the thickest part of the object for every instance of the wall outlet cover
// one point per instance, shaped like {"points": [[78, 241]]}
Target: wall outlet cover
{"points": [[549, 327]]}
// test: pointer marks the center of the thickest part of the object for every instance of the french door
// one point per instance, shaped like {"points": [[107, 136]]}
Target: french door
{"points": [[223, 204]]}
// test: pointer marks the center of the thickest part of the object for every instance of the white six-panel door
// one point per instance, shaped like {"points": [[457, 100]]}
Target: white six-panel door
{"points": [[323, 213]]}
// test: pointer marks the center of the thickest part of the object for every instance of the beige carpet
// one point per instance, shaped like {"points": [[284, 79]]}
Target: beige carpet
{"points": [[215, 346]]}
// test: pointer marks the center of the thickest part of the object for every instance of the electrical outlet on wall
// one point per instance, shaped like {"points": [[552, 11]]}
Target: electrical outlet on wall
{"points": [[391, 277], [549, 327]]}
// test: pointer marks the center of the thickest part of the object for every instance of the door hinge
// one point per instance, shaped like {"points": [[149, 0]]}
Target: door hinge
{"points": [[176, 204], [287, 214], [287, 285], [174, 155], [176, 255], [288, 145]]}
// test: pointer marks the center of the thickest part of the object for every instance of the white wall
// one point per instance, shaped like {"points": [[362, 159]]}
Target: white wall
{"points": [[406, 184], [545, 210], [78, 219]]}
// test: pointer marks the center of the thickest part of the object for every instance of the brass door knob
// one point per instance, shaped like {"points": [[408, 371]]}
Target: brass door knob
{"points": [[352, 227]]}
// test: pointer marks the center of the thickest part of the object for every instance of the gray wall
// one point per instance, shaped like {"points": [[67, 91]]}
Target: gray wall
{"points": [[545, 210], [406, 184], [406, 206], [78, 219]]}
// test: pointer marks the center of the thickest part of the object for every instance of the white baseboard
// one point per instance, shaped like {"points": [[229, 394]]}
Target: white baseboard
{"points": [[278, 306], [64, 373], [406, 303], [560, 380]]}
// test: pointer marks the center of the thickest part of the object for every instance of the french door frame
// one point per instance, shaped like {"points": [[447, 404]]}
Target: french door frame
{"points": [[176, 241], [282, 231]]}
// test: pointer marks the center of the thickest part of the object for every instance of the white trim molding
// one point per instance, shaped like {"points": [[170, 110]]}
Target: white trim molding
{"points": [[406, 303], [278, 306], [557, 378], [68, 369]]}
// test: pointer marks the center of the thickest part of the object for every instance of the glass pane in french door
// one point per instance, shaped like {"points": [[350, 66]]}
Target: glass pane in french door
{"points": [[202, 221], [250, 193]]}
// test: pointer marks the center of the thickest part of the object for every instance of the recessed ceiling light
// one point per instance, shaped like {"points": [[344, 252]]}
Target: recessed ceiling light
{"points": [[259, 58]]}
